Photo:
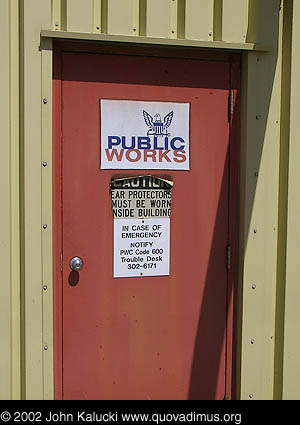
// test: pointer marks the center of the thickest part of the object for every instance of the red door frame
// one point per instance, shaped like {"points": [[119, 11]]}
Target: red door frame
{"points": [[184, 53]]}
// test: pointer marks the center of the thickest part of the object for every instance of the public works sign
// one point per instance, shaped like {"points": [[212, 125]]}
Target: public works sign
{"points": [[144, 135]]}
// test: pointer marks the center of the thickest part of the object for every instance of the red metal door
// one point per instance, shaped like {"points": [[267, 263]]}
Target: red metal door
{"points": [[156, 337]]}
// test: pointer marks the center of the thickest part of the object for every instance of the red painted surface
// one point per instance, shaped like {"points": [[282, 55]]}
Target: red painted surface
{"points": [[153, 337]]}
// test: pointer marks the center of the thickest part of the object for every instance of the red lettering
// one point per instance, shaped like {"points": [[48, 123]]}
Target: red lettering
{"points": [[114, 153], [150, 154], [164, 155], [136, 151], [179, 156]]}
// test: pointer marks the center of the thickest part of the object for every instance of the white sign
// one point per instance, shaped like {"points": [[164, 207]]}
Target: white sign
{"points": [[144, 135], [141, 247], [141, 207]]}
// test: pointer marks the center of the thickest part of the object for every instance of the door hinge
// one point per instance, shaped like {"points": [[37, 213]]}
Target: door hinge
{"points": [[61, 263], [228, 257], [230, 104]]}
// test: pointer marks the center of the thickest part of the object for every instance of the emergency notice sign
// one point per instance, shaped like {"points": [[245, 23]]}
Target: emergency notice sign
{"points": [[141, 208], [144, 135]]}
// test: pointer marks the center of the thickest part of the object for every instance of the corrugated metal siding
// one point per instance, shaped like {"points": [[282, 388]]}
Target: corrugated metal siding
{"points": [[9, 217], [207, 20], [32, 129], [232, 21], [5, 242]]}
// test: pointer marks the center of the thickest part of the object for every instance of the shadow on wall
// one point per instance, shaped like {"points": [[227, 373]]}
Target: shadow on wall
{"points": [[263, 28]]}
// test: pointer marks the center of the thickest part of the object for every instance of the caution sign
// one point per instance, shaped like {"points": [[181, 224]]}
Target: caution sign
{"points": [[141, 209]]}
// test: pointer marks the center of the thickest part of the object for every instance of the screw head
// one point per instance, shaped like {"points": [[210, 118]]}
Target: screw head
{"points": [[253, 286], [45, 101], [256, 173], [45, 164], [250, 395], [44, 226], [46, 347], [255, 230], [45, 287], [257, 117], [252, 341]]}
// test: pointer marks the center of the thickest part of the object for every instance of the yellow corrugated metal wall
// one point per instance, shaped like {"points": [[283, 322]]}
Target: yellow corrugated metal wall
{"points": [[264, 140], [9, 217], [190, 19]]}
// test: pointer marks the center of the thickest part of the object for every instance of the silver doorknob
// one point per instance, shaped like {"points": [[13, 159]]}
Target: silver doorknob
{"points": [[76, 264]]}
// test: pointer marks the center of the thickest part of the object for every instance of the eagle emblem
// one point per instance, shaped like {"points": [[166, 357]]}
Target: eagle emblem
{"points": [[155, 124]]}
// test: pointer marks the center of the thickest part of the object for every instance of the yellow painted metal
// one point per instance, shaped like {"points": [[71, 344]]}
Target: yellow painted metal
{"points": [[158, 18], [291, 354], [267, 313], [15, 200], [47, 249], [123, 17], [235, 20], [218, 14], [97, 17], [199, 20], [142, 18], [283, 197], [259, 213], [232, 21], [5, 218], [32, 179], [181, 19], [173, 18], [9, 218], [154, 40], [80, 15], [56, 14], [104, 8], [136, 17]]}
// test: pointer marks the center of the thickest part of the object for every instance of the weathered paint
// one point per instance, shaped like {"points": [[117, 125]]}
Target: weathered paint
{"points": [[135, 313], [230, 22]]}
